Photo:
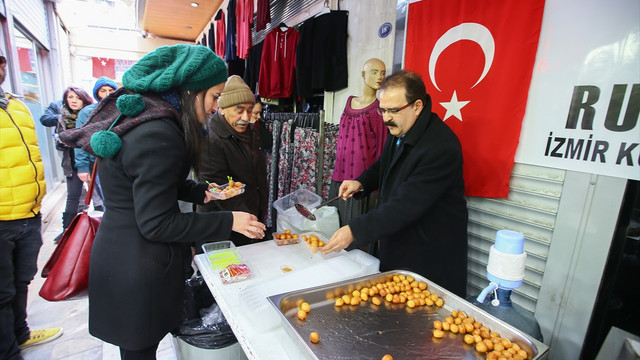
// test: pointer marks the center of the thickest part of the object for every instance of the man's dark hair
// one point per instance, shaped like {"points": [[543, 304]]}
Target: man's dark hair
{"points": [[408, 80]]}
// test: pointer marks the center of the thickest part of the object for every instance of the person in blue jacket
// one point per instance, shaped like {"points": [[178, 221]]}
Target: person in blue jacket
{"points": [[84, 161]]}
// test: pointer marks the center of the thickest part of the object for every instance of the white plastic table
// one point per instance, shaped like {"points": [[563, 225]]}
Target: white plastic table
{"points": [[255, 323]]}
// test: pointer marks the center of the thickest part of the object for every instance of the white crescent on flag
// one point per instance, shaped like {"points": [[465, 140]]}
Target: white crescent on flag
{"points": [[466, 31]]}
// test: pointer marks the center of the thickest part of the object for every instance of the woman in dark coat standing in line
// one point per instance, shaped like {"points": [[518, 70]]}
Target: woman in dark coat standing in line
{"points": [[137, 274], [74, 99]]}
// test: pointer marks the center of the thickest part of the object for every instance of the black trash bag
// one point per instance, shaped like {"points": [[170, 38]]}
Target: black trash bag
{"points": [[196, 296], [204, 325]]}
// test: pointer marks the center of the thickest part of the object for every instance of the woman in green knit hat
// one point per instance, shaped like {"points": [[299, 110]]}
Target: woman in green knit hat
{"points": [[147, 136]]}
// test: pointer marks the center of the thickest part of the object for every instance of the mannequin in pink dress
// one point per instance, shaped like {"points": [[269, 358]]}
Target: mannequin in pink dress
{"points": [[360, 140]]}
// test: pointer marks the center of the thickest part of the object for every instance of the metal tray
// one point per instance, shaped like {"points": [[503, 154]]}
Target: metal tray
{"points": [[368, 331]]}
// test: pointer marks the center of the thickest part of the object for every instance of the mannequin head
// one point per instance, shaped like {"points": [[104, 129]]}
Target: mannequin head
{"points": [[373, 72]]}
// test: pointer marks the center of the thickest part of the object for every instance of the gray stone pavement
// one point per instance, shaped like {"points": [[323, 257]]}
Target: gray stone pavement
{"points": [[76, 343]]}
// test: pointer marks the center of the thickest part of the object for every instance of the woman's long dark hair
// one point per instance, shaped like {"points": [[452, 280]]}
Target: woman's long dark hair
{"points": [[193, 130], [83, 95]]}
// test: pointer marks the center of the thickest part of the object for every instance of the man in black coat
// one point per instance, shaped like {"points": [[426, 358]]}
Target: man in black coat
{"points": [[420, 223]]}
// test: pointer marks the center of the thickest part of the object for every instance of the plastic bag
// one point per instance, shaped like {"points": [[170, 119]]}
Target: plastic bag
{"points": [[326, 223], [197, 296], [204, 325]]}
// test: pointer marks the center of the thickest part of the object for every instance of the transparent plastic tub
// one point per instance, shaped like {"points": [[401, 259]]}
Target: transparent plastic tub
{"points": [[286, 205], [222, 254], [221, 192], [320, 240], [292, 239]]}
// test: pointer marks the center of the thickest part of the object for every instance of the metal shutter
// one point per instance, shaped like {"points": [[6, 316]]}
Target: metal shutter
{"points": [[31, 14], [530, 209], [288, 12]]}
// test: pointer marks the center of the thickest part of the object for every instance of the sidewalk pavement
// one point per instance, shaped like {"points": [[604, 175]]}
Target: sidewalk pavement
{"points": [[76, 343]]}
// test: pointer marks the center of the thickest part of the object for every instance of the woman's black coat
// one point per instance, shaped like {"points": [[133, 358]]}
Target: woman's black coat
{"points": [[137, 275]]}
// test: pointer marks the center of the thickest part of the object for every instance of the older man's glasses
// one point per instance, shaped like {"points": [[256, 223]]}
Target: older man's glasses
{"points": [[393, 111]]}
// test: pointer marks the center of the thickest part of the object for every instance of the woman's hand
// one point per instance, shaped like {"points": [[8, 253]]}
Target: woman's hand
{"points": [[248, 225], [84, 177], [208, 196]]}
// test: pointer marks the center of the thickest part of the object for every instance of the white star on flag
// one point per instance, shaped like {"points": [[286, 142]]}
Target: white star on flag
{"points": [[104, 63], [453, 107]]}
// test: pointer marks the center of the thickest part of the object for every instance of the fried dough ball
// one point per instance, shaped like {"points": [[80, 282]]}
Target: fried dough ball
{"points": [[387, 357], [437, 324], [339, 302], [468, 327], [439, 302], [314, 337], [376, 300], [305, 306], [302, 315], [468, 339], [438, 334], [481, 347], [428, 302]]}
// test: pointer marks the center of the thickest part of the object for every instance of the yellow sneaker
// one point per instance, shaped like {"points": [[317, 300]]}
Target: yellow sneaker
{"points": [[42, 336]]}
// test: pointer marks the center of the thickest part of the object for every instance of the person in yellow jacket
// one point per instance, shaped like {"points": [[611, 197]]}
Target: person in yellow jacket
{"points": [[22, 188]]}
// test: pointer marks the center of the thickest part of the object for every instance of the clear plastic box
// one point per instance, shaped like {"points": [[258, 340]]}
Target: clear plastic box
{"points": [[280, 242], [287, 211], [219, 193], [302, 196], [307, 236], [222, 254]]}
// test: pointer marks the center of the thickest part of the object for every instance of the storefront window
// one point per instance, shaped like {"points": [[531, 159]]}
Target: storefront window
{"points": [[28, 64]]}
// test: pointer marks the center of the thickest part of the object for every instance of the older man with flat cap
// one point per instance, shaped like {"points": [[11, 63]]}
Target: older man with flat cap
{"points": [[235, 150]]}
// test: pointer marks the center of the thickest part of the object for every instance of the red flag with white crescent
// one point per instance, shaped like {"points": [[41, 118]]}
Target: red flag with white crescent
{"points": [[104, 67], [476, 59]]}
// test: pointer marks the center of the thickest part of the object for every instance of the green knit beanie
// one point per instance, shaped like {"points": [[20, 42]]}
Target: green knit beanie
{"points": [[177, 67]]}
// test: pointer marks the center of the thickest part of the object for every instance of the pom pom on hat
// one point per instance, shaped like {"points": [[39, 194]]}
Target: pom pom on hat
{"points": [[235, 92], [105, 143], [103, 81], [177, 67], [130, 105]]}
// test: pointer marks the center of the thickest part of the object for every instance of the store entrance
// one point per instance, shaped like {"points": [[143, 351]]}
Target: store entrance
{"points": [[619, 295]]}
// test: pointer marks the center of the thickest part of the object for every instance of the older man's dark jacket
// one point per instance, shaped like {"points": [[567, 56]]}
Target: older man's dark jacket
{"points": [[421, 218], [225, 156]]}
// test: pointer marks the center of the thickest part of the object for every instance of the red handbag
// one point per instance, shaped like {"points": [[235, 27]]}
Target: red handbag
{"points": [[67, 270]]}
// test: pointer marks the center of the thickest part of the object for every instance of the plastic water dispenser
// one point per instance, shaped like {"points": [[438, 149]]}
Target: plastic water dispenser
{"points": [[505, 272]]}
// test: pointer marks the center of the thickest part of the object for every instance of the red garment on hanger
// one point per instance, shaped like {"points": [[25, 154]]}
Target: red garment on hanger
{"points": [[244, 19], [221, 33], [277, 67], [263, 15]]}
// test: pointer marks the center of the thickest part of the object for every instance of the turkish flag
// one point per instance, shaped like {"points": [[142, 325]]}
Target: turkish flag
{"points": [[104, 67], [476, 59], [24, 59]]}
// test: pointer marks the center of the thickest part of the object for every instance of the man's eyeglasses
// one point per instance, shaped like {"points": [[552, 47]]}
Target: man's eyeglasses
{"points": [[394, 111], [3, 61]]}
